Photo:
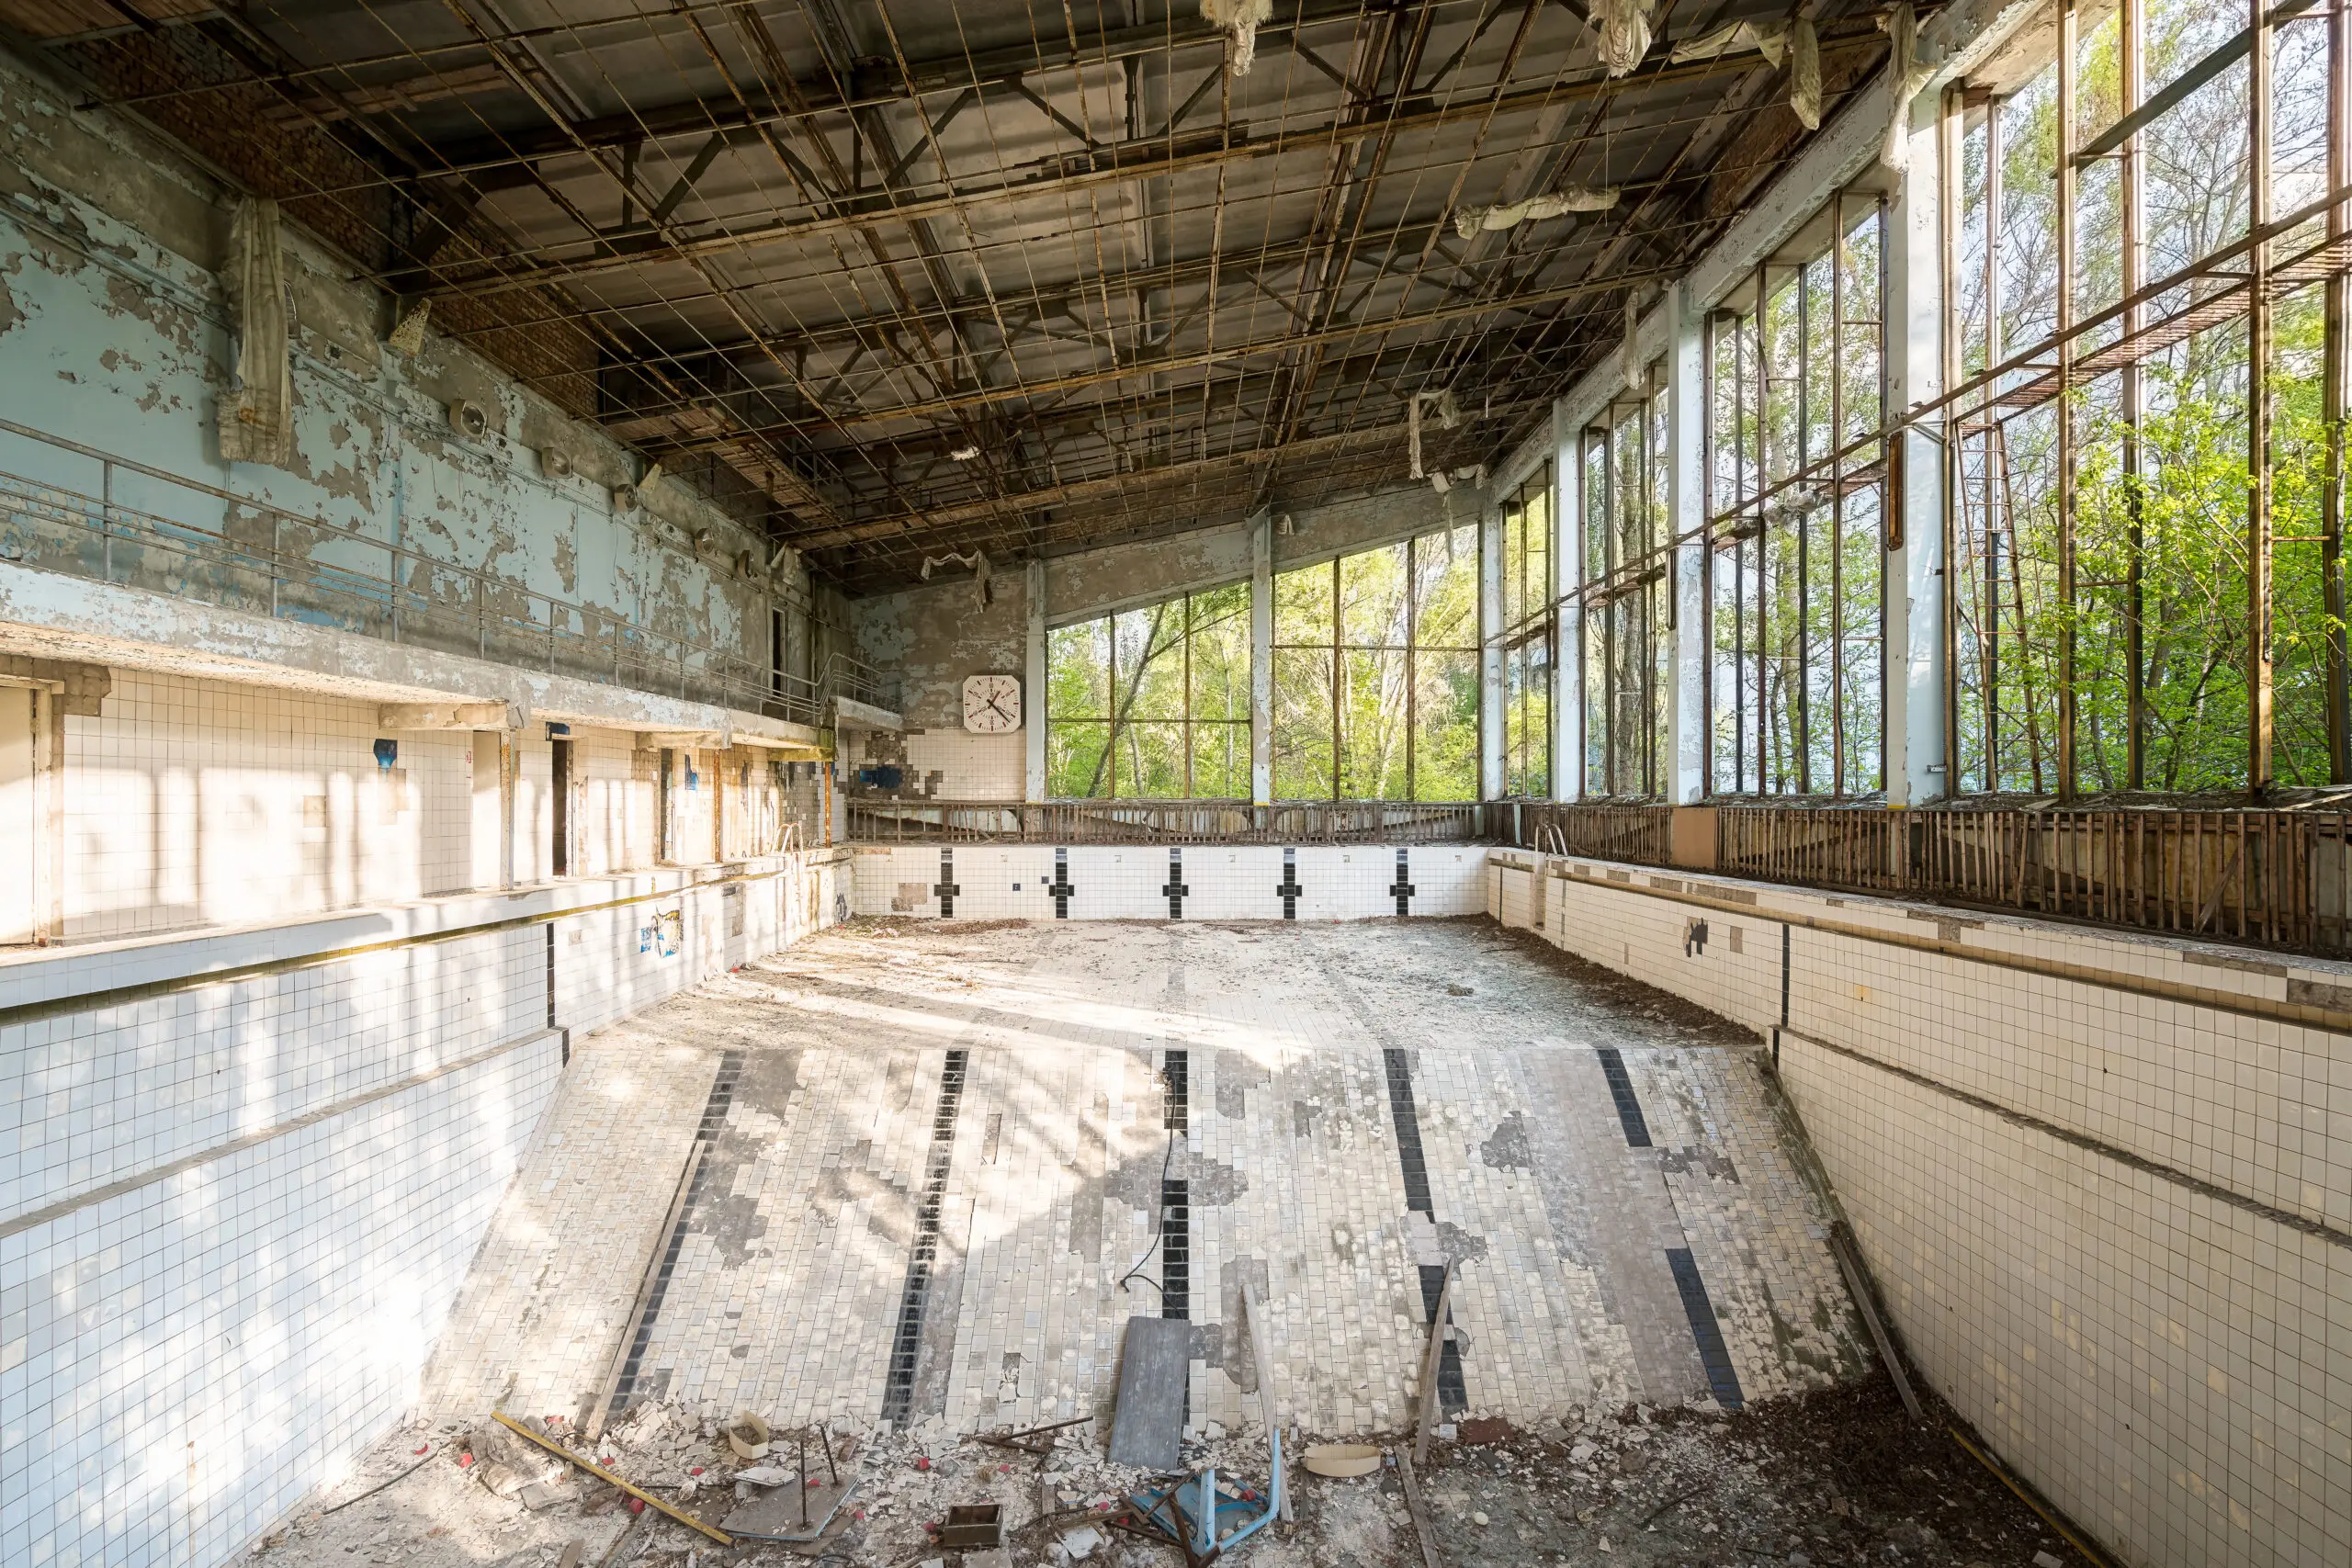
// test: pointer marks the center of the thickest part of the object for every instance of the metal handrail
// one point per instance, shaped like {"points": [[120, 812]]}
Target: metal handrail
{"points": [[246, 562], [887, 821]]}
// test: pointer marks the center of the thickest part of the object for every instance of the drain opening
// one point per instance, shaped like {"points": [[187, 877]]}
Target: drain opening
{"points": [[714, 1117], [1176, 1193], [899, 1392]]}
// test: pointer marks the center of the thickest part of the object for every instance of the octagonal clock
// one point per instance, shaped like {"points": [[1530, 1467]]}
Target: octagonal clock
{"points": [[991, 704]]}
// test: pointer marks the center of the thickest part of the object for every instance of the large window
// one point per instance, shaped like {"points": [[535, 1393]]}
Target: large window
{"points": [[1152, 704], [1795, 520], [1626, 594], [1527, 620], [2126, 605], [1377, 673]]}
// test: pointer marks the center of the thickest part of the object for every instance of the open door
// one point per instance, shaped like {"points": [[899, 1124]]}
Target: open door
{"points": [[19, 821]]}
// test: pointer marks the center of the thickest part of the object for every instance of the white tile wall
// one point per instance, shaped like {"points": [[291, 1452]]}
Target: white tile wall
{"points": [[192, 1333], [2172, 1367], [1127, 882]]}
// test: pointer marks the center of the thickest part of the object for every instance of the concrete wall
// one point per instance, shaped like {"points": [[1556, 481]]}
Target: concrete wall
{"points": [[235, 1213], [1129, 883], [117, 336], [2105, 1182]]}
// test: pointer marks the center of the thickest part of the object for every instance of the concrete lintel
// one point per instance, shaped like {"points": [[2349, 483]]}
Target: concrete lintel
{"points": [[684, 739], [451, 715], [850, 714]]}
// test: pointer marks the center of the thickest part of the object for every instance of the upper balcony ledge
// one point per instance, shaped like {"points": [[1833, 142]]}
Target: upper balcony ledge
{"points": [[49, 614]]}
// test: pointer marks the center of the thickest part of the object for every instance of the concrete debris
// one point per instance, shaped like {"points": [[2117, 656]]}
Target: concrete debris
{"points": [[1472, 220], [1804, 74]]}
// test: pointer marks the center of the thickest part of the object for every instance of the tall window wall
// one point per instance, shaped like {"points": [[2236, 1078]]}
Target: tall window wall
{"points": [[1377, 673], [2127, 583], [1527, 621], [1627, 597], [1152, 704], [1797, 395]]}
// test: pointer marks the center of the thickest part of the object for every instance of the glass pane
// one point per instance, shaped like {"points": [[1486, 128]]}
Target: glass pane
{"points": [[1076, 759], [1150, 669], [1373, 720], [1077, 666], [1221, 655], [1221, 762], [1303, 606], [1151, 761], [1302, 740], [1445, 567], [1372, 598], [1445, 727]]}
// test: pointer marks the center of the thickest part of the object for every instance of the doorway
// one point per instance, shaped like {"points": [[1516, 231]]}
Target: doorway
{"points": [[561, 854]]}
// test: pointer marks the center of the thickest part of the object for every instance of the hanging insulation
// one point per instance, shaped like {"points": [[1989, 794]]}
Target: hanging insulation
{"points": [[257, 415], [1471, 221], [1804, 74], [1624, 33], [1629, 356], [1904, 77], [1770, 40], [1241, 19]]}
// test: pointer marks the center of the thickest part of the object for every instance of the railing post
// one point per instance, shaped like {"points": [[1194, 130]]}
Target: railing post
{"points": [[273, 565], [481, 619], [105, 516]]}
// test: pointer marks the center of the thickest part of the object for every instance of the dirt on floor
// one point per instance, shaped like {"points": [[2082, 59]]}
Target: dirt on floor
{"points": [[1822, 1481]]}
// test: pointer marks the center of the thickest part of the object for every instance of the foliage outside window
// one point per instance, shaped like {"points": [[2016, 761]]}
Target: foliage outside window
{"points": [[1796, 393], [1629, 645], [1377, 673], [1152, 704], [2157, 535], [1527, 620]]}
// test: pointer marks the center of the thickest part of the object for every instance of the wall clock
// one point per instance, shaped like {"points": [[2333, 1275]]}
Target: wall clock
{"points": [[991, 704]]}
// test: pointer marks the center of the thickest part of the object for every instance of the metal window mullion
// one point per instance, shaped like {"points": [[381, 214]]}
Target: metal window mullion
{"points": [[2259, 768], [2065, 499], [1837, 496], [2334, 399], [2131, 44]]}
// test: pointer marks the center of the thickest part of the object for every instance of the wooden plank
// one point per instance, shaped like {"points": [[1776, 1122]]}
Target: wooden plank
{"points": [[1429, 1361], [1147, 1428], [1263, 1355], [1430, 1558], [601, 1474]]}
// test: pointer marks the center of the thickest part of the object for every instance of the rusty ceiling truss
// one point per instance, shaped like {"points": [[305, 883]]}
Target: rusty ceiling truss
{"points": [[926, 274]]}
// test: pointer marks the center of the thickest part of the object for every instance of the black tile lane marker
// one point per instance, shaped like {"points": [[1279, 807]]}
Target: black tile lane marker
{"points": [[1620, 1089], [1174, 890], [899, 1391], [1721, 1377], [1288, 887], [1402, 887], [946, 887], [1061, 889], [714, 1116], [1452, 1393], [1176, 1196]]}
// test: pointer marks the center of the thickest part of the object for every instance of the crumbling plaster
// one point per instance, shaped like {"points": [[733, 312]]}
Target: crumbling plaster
{"points": [[117, 336]]}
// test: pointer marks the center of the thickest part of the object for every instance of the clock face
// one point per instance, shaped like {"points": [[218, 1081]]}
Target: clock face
{"points": [[991, 704]]}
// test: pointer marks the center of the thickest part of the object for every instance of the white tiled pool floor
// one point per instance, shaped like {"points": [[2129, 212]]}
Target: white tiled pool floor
{"points": [[788, 1284]]}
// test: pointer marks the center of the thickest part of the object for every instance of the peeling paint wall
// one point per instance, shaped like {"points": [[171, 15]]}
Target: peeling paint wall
{"points": [[116, 334]]}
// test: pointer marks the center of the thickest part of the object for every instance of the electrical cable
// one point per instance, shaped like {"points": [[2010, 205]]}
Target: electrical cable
{"points": [[1159, 1227]]}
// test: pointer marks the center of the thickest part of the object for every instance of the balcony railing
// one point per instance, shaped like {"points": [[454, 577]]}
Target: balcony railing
{"points": [[2275, 878], [1163, 822], [109, 519]]}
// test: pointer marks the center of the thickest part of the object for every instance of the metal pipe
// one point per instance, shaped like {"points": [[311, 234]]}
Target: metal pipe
{"points": [[2257, 379], [2065, 412], [2334, 401]]}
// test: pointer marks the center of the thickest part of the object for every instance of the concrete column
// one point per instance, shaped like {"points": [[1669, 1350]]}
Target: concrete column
{"points": [[1490, 653], [509, 768], [1261, 658], [1033, 705], [1686, 506], [1914, 673], [1567, 567]]}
